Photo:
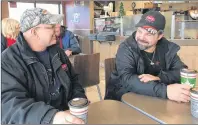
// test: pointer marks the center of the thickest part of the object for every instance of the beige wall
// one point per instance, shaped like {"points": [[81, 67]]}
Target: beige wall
{"points": [[105, 49], [167, 30], [189, 55]]}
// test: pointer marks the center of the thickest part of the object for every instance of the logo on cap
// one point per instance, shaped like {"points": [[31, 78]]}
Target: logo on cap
{"points": [[44, 11], [150, 19], [150, 29]]}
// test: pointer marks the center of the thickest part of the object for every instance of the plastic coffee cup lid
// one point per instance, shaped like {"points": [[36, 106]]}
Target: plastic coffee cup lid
{"points": [[189, 71], [78, 103], [194, 90]]}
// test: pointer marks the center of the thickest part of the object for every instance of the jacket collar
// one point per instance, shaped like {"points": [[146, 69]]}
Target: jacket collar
{"points": [[169, 48]]}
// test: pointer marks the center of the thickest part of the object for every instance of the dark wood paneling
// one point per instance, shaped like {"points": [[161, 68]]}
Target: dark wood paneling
{"points": [[4, 10]]}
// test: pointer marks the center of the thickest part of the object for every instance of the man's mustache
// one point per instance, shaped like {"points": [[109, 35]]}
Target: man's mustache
{"points": [[142, 41]]}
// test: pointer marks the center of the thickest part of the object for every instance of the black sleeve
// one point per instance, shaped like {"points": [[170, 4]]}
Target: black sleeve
{"points": [[173, 74], [77, 90], [17, 105], [126, 68], [3, 43]]}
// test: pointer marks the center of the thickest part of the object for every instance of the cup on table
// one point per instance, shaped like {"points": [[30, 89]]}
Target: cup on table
{"points": [[188, 76], [79, 108], [194, 101]]}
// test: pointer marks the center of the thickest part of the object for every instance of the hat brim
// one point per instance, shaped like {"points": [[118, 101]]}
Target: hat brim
{"points": [[56, 18], [140, 24], [150, 29]]}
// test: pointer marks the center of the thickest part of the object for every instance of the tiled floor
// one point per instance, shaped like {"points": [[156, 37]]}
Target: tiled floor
{"points": [[92, 92]]}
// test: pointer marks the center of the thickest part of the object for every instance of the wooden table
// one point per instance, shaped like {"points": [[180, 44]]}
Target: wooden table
{"points": [[115, 112], [162, 110]]}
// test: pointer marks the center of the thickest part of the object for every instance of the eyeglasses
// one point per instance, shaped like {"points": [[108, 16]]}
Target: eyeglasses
{"points": [[45, 27]]}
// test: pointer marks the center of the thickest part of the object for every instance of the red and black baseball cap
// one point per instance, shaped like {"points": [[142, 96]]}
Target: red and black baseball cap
{"points": [[152, 21]]}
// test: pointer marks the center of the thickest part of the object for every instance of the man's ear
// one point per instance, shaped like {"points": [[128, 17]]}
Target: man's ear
{"points": [[160, 36], [34, 32]]}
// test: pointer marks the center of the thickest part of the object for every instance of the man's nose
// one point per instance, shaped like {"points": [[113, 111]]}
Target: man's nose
{"points": [[141, 36]]}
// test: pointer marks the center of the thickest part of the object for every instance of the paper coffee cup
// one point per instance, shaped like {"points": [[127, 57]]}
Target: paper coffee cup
{"points": [[79, 108], [194, 101], [188, 76]]}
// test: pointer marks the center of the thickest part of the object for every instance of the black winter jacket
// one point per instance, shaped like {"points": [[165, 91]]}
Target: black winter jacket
{"points": [[3, 43], [25, 84], [130, 64]]}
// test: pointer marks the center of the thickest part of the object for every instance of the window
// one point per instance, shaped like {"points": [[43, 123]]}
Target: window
{"points": [[16, 13], [52, 8]]}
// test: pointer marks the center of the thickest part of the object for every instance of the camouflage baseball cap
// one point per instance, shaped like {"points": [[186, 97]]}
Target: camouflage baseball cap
{"points": [[33, 17]]}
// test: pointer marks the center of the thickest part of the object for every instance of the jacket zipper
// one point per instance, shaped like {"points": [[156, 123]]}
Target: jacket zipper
{"points": [[59, 76], [45, 73], [54, 57], [48, 101]]}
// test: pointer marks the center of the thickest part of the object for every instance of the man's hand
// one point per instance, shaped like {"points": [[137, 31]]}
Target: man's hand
{"points": [[68, 52], [147, 77], [178, 92], [64, 117]]}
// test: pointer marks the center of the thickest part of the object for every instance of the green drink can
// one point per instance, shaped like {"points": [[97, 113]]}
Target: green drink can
{"points": [[188, 76]]}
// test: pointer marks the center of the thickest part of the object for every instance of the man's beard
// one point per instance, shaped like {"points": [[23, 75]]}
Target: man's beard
{"points": [[143, 47]]}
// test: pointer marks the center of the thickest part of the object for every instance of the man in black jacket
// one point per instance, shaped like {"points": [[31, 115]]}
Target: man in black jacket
{"points": [[37, 78], [3, 43], [148, 64]]}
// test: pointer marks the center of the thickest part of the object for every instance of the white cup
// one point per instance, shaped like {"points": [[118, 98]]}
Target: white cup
{"points": [[79, 108], [194, 101]]}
